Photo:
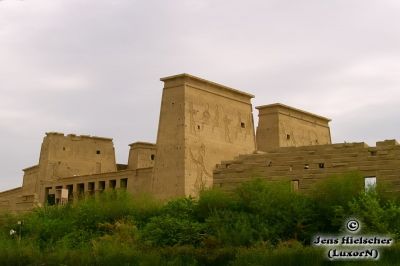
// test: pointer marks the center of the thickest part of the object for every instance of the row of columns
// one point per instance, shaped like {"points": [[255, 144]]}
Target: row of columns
{"points": [[83, 188]]}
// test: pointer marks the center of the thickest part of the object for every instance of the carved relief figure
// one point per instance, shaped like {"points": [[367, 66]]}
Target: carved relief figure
{"points": [[206, 115], [227, 121], [192, 113], [201, 171], [238, 128], [215, 121]]}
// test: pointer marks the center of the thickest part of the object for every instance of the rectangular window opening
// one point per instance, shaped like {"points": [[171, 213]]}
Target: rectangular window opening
{"points": [[81, 189], [370, 183], [242, 124], [102, 185], [123, 183], [321, 165], [70, 191], [113, 183], [50, 196], [91, 188], [295, 185], [58, 194]]}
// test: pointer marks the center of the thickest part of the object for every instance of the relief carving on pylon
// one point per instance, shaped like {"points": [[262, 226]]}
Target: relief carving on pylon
{"points": [[215, 120], [198, 160], [227, 121], [231, 126], [192, 120]]}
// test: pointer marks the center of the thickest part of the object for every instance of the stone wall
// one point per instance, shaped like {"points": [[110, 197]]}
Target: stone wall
{"points": [[13, 200], [311, 163], [9, 198]]}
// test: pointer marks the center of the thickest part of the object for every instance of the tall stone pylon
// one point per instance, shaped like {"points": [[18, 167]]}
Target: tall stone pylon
{"points": [[201, 124], [280, 125]]}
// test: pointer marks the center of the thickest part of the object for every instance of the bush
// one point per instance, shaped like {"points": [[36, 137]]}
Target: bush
{"points": [[277, 213], [214, 200], [332, 196], [167, 230], [260, 223]]}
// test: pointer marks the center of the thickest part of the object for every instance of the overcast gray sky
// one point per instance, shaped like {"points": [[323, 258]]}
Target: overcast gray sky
{"points": [[93, 66]]}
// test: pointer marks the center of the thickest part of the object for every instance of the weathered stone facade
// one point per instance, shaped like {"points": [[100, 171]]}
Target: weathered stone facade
{"points": [[283, 126], [205, 138], [201, 123], [305, 165]]}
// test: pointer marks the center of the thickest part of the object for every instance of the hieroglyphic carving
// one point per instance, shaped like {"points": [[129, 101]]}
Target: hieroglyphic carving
{"points": [[201, 172]]}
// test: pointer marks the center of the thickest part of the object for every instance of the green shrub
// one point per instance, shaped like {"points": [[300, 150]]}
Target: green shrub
{"points": [[214, 200], [233, 228], [260, 223], [47, 225], [377, 215], [332, 196], [167, 230], [277, 213]]}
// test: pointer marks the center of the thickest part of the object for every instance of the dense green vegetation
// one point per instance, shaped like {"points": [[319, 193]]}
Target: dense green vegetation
{"points": [[260, 223]]}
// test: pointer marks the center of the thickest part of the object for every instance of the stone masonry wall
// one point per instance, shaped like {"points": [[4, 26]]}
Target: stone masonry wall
{"points": [[310, 163]]}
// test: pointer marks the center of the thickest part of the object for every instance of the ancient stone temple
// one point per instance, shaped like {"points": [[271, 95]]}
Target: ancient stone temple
{"points": [[201, 124], [205, 138]]}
